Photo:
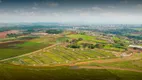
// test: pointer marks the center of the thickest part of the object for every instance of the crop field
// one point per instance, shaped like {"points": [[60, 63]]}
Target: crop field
{"points": [[132, 64], [59, 55], [10, 72], [49, 57], [19, 47], [86, 38]]}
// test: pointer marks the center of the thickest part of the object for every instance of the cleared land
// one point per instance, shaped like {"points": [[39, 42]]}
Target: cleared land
{"points": [[56, 61], [19, 47]]}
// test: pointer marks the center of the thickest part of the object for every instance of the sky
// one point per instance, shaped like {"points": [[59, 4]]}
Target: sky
{"points": [[72, 11]]}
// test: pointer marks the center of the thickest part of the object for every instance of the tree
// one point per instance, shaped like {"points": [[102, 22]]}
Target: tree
{"points": [[12, 35], [80, 39], [98, 45], [91, 46], [74, 46]]}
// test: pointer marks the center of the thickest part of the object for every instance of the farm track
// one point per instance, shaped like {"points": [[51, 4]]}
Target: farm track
{"points": [[13, 41], [80, 65], [29, 53], [75, 63], [111, 68], [109, 60]]}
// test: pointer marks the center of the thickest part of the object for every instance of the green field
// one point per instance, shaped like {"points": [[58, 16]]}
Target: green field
{"points": [[59, 55], [86, 38], [9, 72], [16, 48], [53, 51]]}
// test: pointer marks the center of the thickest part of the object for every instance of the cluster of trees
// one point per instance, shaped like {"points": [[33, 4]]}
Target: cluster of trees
{"points": [[54, 31], [119, 44], [125, 32], [74, 46], [87, 45], [92, 46], [2, 29], [121, 31], [82, 33], [73, 43], [135, 37], [12, 35]]}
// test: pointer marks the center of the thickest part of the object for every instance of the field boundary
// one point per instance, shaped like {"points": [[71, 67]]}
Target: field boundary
{"points": [[106, 67], [29, 53]]}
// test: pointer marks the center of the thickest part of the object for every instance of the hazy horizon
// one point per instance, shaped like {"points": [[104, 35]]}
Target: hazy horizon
{"points": [[72, 11]]}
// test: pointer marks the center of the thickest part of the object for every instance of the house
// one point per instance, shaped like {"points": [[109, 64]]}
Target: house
{"points": [[39, 34], [135, 48]]}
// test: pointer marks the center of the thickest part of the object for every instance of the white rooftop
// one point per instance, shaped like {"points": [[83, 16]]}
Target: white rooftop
{"points": [[135, 46]]}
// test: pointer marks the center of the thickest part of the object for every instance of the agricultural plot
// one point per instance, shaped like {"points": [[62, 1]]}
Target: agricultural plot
{"points": [[86, 38], [60, 55], [129, 63], [10, 72], [19, 47]]}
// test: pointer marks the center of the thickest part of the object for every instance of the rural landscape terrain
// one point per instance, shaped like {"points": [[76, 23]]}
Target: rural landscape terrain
{"points": [[53, 51]]}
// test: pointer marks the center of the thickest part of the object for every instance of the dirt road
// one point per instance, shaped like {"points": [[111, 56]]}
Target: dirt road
{"points": [[29, 53], [106, 67]]}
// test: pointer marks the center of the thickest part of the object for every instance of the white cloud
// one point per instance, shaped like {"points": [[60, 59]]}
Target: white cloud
{"points": [[34, 8], [115, 14], [84, 14], [57, 14], [97, 9], [112, 7], [28, 14]]}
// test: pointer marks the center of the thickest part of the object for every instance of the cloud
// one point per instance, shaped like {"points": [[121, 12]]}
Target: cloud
{"points": [[28, 14], [139, 6], [97, 9], [52, 4], [1, 1], [84, 14], [115, 14], [35, 4], [112, 7], [124, 1], [34, 8], [56, 14]]}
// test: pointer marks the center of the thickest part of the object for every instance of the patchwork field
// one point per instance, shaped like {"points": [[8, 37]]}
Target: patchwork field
{"points": [[10, 72], [51, 57], [60, 55], [19, 47]]}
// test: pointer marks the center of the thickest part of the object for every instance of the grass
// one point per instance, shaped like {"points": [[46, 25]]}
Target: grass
{"points": [[136, 64], [10, 52], [111, 48], [131, 64], [62, 39], [18, 48], [61, 55], [86, 38], [9, 72]]}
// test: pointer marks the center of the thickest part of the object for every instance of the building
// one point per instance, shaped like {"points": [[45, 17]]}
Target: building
{"points": [[39, 34], [135, 48]]}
